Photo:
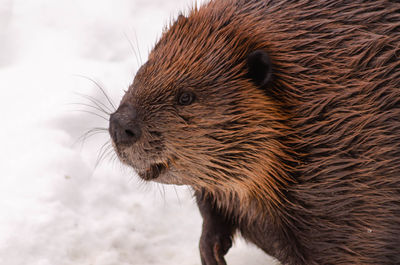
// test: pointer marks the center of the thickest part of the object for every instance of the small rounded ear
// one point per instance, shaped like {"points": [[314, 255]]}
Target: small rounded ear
{"points": [[259, 66], [181, 17]]}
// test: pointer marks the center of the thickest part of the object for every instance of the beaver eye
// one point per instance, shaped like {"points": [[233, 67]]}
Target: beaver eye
{"points": [[186, 98]]}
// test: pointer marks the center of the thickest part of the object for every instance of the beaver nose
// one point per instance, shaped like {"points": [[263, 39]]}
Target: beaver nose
{"points": [[124, 127]]}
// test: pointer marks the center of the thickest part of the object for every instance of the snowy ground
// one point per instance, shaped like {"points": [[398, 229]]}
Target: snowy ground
{"points": [[57, 206]]}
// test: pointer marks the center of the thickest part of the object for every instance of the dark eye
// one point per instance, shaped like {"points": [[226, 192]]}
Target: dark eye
{"points": [[186, 98]]}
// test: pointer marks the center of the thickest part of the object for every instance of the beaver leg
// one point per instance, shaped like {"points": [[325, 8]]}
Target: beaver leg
{"points": [[217, 233]]}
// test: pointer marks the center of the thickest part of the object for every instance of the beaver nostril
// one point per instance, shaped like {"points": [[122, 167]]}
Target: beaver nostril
{"points": [[130, 133]]}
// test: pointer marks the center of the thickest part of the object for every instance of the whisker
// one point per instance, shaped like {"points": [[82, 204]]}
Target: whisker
{"points": [[95, 101], [177, 196], [110, 154], [101, 153], [102, 158], [161, 189], [109, 149], [91, 106], [164, 196], [158, 188], [133, 49], [90, 133], [190, 191], [101, 89], [112, 158], [93, 113], [115, 159], [137, 46]]}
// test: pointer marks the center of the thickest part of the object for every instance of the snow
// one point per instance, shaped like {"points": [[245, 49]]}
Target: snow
{"points": [[58, 205]]}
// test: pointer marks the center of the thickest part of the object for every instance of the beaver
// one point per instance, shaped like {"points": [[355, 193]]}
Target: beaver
{"points": [[283, 116]]}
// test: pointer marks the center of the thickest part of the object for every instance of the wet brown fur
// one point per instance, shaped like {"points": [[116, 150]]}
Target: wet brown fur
{"points": [[308, 167]]}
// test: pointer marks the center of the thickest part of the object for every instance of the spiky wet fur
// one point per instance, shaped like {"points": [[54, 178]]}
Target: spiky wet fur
{"points": [[308, 167]]}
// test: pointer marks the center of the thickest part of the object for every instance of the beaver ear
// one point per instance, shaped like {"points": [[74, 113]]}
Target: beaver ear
{"points": [[259, 66], [182, 17]]}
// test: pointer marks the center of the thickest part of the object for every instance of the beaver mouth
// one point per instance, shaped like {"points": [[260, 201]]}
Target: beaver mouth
{"points": [[153, 172]]}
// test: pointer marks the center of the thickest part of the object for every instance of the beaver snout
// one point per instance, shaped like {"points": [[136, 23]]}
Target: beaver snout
{"points": [[124, 127]]}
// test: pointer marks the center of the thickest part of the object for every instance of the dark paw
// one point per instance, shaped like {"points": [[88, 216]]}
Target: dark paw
{"points": [[213, 249]]}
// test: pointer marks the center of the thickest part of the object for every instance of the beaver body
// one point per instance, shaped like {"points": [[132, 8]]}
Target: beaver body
{"points": [[284, 117]]}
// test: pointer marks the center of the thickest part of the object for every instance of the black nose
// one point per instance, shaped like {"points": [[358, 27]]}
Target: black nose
{"points": [[124, 126]]}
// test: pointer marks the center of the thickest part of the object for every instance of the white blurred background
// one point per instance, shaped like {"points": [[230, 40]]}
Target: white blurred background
{"points": [[58, 205]]}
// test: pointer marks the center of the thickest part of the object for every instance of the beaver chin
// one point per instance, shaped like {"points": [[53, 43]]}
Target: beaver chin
{"points": [[161, 173], [152, 172], [158, 172]]}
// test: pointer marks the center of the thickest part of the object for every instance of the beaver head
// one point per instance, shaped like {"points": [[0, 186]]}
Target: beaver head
{"points": [[198, 111]]}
